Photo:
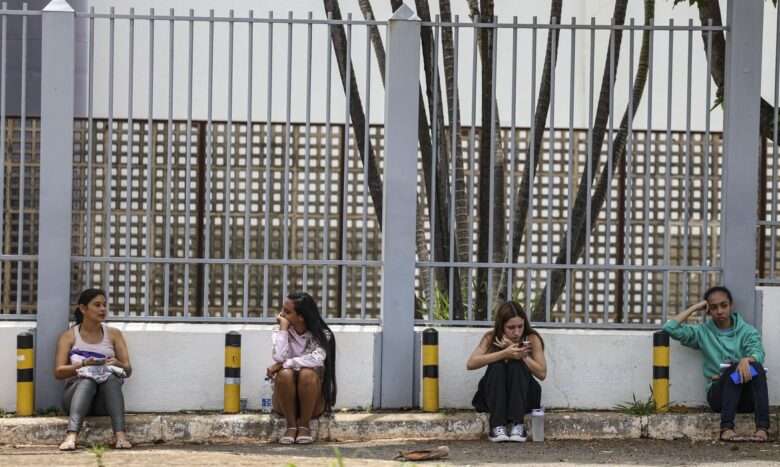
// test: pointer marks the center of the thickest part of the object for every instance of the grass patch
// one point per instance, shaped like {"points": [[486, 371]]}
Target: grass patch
{"points": [[98, 450], [640, 407]]}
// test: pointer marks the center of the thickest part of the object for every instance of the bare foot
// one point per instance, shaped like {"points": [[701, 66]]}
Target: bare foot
{"points": [[121, 441], [70, 442], [761, 435], [728, 435]]}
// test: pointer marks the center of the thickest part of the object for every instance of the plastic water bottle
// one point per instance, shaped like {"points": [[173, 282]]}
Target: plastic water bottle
{"points": [[266, 395], [537, 424]]}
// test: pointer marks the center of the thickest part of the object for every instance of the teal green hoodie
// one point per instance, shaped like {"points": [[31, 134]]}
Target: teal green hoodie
{"points": [[717, 347]]}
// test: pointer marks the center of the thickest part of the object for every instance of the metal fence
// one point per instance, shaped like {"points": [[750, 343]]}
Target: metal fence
{"points": [[183, 211]]}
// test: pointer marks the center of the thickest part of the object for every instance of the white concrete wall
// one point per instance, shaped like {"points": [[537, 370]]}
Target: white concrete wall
{"points": [[180, 366]]}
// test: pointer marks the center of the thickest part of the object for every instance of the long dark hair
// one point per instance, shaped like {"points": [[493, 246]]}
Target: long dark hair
{"points": [[86, 296], [307, 307], [506, 312]]}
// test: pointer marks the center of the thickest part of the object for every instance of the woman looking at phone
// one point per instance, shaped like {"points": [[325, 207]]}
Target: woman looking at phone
{"points": [[93, 358], [514, 355], [304, 369]]}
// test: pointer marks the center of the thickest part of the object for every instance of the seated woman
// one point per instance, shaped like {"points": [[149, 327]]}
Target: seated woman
{"points": [[731, 348], [93, 358], [304, 372], [514, 355]]}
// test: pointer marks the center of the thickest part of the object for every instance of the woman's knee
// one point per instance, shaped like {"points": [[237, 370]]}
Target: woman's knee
{"points": [[308, 377], [285, 378]]}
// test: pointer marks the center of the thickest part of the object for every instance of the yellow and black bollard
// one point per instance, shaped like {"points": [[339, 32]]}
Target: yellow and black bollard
{"points": [[25, 367], [661, 371], [232, 372], [430, 354]]}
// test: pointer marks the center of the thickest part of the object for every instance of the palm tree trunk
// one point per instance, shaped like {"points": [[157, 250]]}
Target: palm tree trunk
{"points": [[557, 280], [357, 115], [540, 117]]}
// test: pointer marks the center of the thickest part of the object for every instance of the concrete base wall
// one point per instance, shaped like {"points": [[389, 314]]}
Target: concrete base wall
{"points": [[180, 366]]}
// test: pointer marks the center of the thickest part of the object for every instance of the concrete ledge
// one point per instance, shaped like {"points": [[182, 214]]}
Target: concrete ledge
{"points": [[253, 428]]}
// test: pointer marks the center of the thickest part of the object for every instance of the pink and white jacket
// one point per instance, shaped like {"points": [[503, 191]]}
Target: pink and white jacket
{"points": [[297, 351]]}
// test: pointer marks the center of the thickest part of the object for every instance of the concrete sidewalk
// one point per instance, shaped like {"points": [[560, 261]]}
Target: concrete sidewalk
{"points": [[363, 426]]}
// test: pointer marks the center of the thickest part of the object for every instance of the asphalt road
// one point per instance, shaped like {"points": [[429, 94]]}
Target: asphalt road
{"points": [[562, 453]]}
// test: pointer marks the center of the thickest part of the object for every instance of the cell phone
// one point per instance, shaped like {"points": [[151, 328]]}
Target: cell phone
{"points": [[97, 361], [737, 377]]}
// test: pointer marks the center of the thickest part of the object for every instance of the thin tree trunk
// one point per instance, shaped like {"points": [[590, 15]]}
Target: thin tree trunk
{"points": [[540, 117], [710, 10], [557, 280], [357, 115]]}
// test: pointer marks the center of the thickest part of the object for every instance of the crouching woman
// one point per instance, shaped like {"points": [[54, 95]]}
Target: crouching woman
{"points": [[93, 358], [514, 355], [304, 372]]}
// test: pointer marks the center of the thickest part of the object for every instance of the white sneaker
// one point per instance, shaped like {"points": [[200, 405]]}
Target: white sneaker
{"points": [[518, 434], [498, 435]]}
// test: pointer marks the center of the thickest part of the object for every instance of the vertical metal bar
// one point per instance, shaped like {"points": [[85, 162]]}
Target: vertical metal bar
{"points": [[248, 159], [3, 49], [307, 150], [773, 236], [551, 165], [472, 164], [366, 194], [269, 159], [287, 159], [626, 275], [740, 167], [398, 252], [492, 182], [667, 172], [345, 169], [454, 161], [688, 155], [226, 231], [529, 224], [646, 184], [149, 250], [705, 230], [588, 168], [209, 164], [22, 155], [324, 289], [570, 168], [56, 182], [129, 155], [109, 157], [610, 150], [432, 289], [90, 142], [188, 164], [513, 161], [168, 171]]}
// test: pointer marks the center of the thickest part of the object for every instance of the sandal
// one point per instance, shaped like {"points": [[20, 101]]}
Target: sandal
{"points": [[761, 436], [69, 444], [304, 439], [122, 444], [287, 439], [728, 435]]}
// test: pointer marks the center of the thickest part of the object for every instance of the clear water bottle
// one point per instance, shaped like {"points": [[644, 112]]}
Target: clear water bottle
{"points": [[537, 424], [266, 395]]}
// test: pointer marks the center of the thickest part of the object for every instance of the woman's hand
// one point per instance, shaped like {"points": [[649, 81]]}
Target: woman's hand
{"points": [[503, 343], [514, 352], [273, 369], [283, 323], [744, 369], [114, 362], [702, 305]]}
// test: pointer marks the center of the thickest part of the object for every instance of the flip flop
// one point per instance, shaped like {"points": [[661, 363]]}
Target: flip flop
{"points": [[122, 444], [68, 445], [304, 439], [728, 435], [286, 439], [423, 454]]}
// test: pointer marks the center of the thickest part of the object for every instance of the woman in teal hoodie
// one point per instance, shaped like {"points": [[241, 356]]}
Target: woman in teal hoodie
{"points": [[733, 360]]}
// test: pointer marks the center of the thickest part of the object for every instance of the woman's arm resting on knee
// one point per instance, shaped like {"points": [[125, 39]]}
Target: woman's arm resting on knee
{"points": [[122, 358], [62, 366], [535, 361], [480, 356]]}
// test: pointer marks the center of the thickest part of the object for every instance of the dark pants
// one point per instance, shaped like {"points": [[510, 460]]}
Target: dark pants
{"points": [[84, 397], [507, 392], [728, 398]]}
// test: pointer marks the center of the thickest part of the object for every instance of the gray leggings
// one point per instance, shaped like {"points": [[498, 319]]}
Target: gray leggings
{"points": [[84, 397]]}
